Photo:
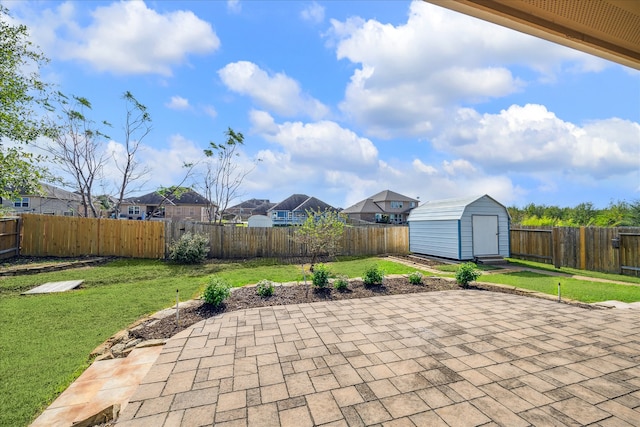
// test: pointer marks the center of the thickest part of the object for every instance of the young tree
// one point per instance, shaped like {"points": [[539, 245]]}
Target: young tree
{"points": [[137, 126], [174, 191], [77, 146], [321, 233], [223, 174], [22, 96]]}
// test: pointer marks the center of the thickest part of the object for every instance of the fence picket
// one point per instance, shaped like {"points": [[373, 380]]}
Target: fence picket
{"points": [[9, 237], [590, 248], [46, 235]]}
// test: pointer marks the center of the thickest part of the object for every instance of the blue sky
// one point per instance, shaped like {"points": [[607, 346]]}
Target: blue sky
{"points": [[341, 100]]}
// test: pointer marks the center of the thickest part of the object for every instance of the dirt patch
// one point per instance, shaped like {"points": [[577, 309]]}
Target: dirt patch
{"points": [[22, 265]]}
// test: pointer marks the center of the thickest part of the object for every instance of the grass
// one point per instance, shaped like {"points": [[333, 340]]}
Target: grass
{"points": [[254, 271], [574, 271], [46, 339], [452, 268], [575, 289], [357, 267]]}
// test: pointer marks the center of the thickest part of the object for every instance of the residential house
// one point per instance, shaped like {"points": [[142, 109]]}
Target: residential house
{"points": [[52, 201], [187, 206], [384, 207], [293, 209], [242, 211]]}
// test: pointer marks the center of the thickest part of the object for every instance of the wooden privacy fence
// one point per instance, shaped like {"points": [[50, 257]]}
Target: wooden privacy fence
{"points": [[244, 242], [47, 235], [609, 250], [9, 237]]}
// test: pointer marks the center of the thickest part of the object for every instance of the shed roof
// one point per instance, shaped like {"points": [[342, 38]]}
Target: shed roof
{"points": [[445, 209]]}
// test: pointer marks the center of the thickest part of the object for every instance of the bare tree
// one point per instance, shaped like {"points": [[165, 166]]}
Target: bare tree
{"points": [[223, 175], [77, 146], [137, 126], [174, 191]]}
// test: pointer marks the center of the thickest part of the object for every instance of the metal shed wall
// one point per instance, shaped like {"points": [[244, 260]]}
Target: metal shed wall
{"points": [[444, 228], [438, 238]]}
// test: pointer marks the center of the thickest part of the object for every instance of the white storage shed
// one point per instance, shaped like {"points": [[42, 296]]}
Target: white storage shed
{"points": [[461, 229], [259, 221]]}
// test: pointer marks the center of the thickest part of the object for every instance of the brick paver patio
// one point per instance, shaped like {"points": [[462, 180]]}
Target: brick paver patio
{"points": [[456, 358]]}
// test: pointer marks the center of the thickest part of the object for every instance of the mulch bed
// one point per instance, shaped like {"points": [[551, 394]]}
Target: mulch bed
{"points": [[246, 297]]}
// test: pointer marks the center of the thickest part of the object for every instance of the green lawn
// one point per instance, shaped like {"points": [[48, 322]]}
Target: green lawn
{"points": [[46, 339], [579, 290], [574, 271], [452, 268]]}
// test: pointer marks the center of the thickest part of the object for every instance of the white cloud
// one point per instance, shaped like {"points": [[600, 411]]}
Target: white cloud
{"points": [[313, 13], [234, 6], [210, 111], [425, 183], [125, 37], [419, 166], [531, 139], [321, 145], [343, 168], [178, 103], [169, 159], [458, 167], [411, 75], [278, 93], [458, 178]]}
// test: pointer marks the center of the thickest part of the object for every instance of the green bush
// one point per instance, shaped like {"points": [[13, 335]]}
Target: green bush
{"points": [[415, 278], [320, 277], [467, 273], [265, 288], [341, 283], [216, 291], [373, 276], [191, 248]]}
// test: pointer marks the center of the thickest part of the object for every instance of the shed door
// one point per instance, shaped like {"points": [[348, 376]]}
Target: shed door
{"points": [[485, 235]]}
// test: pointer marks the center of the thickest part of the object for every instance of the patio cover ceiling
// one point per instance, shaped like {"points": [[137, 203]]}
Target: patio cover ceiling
{"points": [[606, 28]]}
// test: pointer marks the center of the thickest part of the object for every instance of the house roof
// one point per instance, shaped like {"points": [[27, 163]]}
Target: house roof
{"points": [[300, 202], [388, 195], [52, 192], [363, 206], [190, 197], [257, 206], [370, 205], [445, 209]]}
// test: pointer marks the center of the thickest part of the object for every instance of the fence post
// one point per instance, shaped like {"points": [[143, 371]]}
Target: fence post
{"points": [[556, 247], [18, 235], [583, 248]]}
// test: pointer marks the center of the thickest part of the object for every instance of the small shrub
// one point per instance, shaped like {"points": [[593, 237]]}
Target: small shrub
{"points": [[415, 278], [341, 283], [216, 291], [373, 276], [320, 277], [467, 273], [265, 288], [191, 248]]}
